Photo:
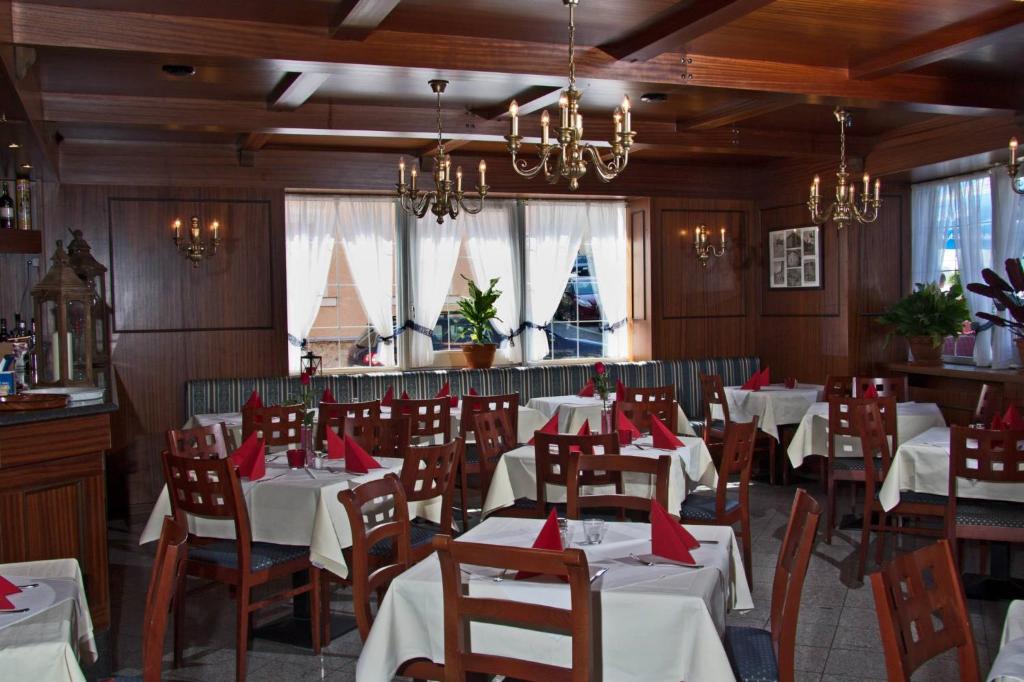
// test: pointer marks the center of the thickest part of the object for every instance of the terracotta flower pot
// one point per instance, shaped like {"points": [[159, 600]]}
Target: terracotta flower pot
{"points": [[479, 355], [923, 351]]}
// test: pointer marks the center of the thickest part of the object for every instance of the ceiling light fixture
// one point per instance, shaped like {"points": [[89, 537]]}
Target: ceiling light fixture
{"points": [[844, 209], [651, 97], [1013, 168], [179, 70]]}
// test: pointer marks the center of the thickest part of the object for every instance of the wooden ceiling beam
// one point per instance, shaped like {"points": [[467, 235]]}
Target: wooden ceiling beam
{"points": [[734, 112], [530, 100], [294, 90], [357, 19], [944, 43], [671, 30]]}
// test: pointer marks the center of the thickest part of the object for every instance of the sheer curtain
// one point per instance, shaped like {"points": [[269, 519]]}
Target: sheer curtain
{"points": [[974, 216], [554, 231], [1007, 242], [434, 252], [366, 229], [309, 233], [608, 249], [930, 207], [493, 250]]}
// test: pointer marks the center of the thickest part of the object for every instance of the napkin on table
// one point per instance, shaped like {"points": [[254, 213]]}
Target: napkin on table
{"points": [[253, 401], [445, 391], [584, 430], [871, 392], [7, 588], [1012, 419], [335, 445], [472, 391], [389, 396], [628, 432], [548, 538], [588, 389], [661, 435], [764, 378], [328, 397], [752, 384], [357, 460], [550, 427], [620, 390], [405, 396], [249, 458], [669, 539]]}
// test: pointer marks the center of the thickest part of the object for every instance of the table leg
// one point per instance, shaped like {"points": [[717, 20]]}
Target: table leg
{"points": [[296, 628], [998, 585]]}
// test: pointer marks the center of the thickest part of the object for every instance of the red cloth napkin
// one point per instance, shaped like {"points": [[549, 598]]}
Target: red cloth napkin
{"points": [[453, 401], [357, 460], [663, 438], [550, 427], [548, 538], [335, 445], [668, 538], [445, 391], [871, 392], [997, 424], [620, 390], [1012, 419], [751, 384], [253, 401], [790, 382], [584, 430], [405, 396], [7, 588], [626, 428], [249, 458], [389, 396], [472, 391], [764, 378], [327, 397], [588, 389]]}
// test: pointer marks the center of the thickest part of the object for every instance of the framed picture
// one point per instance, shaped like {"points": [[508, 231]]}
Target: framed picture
{"points": [[794, 258]]}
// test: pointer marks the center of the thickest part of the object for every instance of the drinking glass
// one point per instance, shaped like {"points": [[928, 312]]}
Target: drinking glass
{"points": [[593, 531], [563, 532], [296, 458]]}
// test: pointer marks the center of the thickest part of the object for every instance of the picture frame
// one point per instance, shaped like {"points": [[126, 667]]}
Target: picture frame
{"points": [[794, 258]]}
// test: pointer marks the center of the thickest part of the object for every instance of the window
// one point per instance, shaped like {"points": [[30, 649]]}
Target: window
{"points": [[451, 331], [577, 328]]}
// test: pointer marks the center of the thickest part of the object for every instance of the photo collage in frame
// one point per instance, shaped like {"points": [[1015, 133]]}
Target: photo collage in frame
{"points": [[794, 257]]}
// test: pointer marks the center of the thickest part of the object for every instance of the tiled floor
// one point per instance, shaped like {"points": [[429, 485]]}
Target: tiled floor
{"points": [[837, 637]]}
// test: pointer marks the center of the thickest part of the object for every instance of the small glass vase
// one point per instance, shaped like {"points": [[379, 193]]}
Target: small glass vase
{"points": [[607, 426], [306, 443]]}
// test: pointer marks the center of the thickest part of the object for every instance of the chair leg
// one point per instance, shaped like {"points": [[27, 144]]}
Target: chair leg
{"points": [[983, 547], [464, 480], [242, 638], [823, 473], [325, 610], [179, 615], [315, 607]]}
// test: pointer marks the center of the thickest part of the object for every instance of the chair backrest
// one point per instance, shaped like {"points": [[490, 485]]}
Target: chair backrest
{"points": [[278, 425], [377, 511], [990, 404], [790, 570], [171, 550], [427, 418], [737, 458], [641, 413], [201, 442], [982, 455], [551, 456], [838, 387], [379, 437], [886, 386], [476, 404], [495, 436], [642, 394], [461, 609], [841, 422], [429, 472], [332, 416], [712, 392], [922, 612], [580, 465], [874, 443]]}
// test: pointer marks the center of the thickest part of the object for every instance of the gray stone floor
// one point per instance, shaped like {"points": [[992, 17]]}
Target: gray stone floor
{"points": [[837, 637]]}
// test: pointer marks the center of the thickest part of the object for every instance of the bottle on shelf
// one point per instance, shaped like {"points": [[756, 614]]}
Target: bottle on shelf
{"points": [[19, 326], [23, 193], [3, 328], [6, 209]]}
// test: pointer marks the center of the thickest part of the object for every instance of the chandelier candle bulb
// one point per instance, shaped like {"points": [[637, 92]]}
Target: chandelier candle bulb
{"points": [[458, 178], [627, 116], [563, 105], [878, 188], [617, 122], [723, 236], [1013, 151], [414, 174], [867, 184], [214, 229], [513, 112], [401, 171], [483, 173], [545, 123], [177, 229], [816, 187]]}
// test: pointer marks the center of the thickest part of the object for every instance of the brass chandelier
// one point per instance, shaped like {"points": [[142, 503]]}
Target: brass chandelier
{"points": [[444, 200], [568, 154], [1013, 168], [845, 208]]}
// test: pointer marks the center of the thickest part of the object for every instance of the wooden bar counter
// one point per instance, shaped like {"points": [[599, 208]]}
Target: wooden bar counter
{"points": [[955, 388], [53, 492]]}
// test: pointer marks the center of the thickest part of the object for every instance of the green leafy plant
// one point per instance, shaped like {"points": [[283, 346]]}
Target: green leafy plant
{"points": [[928, 311], [1007, 296], [478, 310]]}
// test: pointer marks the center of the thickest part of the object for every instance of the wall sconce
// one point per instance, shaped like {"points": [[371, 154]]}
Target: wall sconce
{"points": [[705, 250], [194, 248]]}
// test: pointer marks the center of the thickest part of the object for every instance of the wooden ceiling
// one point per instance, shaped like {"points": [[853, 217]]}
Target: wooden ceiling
{"points": [[747, 81]]}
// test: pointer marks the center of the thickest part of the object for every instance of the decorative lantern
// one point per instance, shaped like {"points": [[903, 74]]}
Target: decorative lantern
{"points": [[309, 362], [64, 337], [92, 272]]}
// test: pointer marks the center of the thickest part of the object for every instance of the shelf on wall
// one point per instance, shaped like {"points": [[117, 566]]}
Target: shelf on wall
{"points": [[21, 241]]}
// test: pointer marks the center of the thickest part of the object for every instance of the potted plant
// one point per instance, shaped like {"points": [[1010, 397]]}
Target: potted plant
{"points": [[477, 311], [925, 318], [1007, 297]]}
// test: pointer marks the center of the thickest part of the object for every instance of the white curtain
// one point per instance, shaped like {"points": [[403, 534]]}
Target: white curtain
{"points": [[608, 249], [434, 252], [930, 207], [309, 232], [1007, 242], [974, 216], [493, 250], [366, 229], [554, 231]]}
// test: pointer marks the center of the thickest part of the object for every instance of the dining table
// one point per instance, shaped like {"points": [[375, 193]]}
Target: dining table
{"points": [[811, 437], [774, 405], [574, 410], [1008, 665], [48, 634], [660, 623], [515, 474]]}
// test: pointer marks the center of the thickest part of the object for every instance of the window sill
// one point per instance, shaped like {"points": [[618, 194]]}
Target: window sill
{"points": [[972, 372]]}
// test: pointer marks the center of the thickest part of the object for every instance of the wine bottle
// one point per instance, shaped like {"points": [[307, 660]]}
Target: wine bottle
{"points": [[6, 210], [3, 328], [24, 195]]}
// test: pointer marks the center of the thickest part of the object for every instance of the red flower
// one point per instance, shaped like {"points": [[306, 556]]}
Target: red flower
{"points": [[599, 368], [304, 379]]}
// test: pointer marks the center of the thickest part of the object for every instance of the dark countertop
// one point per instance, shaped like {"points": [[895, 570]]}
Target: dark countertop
{"points": [[84, 409]]}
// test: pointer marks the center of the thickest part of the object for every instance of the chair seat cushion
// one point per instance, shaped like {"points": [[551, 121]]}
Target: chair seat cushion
{"points": [[922, 498], [701, 506], [989, 513], [264, 554], [751, 654], [420, 533], [853, 463]]}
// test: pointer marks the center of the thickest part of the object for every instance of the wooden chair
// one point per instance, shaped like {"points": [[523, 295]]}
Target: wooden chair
{"points": [[886, 386], [641, 413], [990, 404], [877, 459], [849, 469], [757, 654], [583, 466], [277, 426], [643, 394], [209, 488], [427, 418], [428, 473], [718, 507], [201, 442], [380, 437], [551, 458], [922, 613], [460, 610], [838, 387], [171, 551], [713, 393], [473, 405], [494, 437], [332, 416], [378, 515]]}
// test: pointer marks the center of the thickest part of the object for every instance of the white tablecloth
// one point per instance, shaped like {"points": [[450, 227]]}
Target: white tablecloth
{"points": [[573, 410], [296, 507], [46, 642], [811, 437], [774, 405], [655, 623], [515, 474], [922, 465], [1009, 663]]}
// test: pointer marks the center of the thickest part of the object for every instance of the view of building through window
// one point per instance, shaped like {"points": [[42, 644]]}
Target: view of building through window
{"points": [[576, 328]]}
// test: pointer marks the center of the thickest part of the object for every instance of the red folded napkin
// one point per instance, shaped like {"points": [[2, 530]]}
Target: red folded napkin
{"points": [[250, 459], [663, 438], [472, 391], [584, 430], [870, 392], [997, 424], [1012, 419], [751, 384], [389, 396], [548, 538], [445, 391], [620, 390], [628, 432], [588, 389], [327, 397], [764, 378], [550, 427], [7, 588], [405, 396], [335, 445], [453, 401], [668, 538], [253, 401], [357, 460], [791, 382]]}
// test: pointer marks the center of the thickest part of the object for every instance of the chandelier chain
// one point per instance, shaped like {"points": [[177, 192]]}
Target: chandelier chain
{"points": [[440, 136], [572, 47]]}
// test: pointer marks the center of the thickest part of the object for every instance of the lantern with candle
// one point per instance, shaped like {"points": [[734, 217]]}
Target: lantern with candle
{"points": [[63, 311], [93, 273]]}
